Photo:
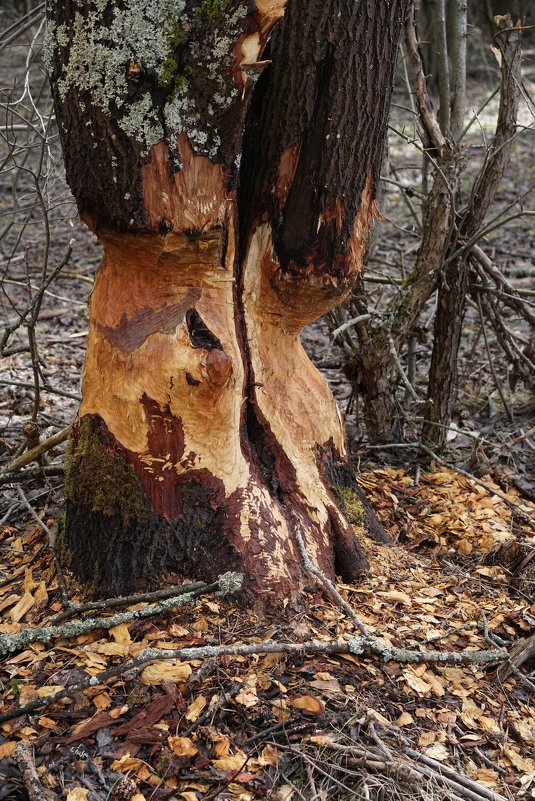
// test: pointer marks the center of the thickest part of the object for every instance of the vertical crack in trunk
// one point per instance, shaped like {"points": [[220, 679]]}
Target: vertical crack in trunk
{"points": [[206, 436]]}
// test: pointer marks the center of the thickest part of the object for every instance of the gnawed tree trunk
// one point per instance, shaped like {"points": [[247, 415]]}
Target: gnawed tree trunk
{"points": [[206, 437]]}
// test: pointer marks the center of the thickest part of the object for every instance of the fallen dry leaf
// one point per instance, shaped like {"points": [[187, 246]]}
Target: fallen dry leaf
{"points": [[195, 709], [7, 749], [438, 751], [222, 744], [247, 696], [126, 763], [182, 746], [238, 793], [120, 634], [284, 793], [416, 683], [524, 764], [102, 701], [165, 670], [235, 762], [269, 756], [308, 704], [327, 685], [396, 597], [77, 794]]}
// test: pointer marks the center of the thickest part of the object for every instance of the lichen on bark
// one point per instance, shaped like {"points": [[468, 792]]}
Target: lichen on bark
{"points": [[139, 62]]}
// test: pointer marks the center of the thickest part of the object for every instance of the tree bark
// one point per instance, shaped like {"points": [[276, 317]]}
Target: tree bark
{"points": [[451, 299], [206, 437]]}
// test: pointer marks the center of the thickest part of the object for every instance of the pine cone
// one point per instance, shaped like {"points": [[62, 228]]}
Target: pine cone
{"points": [[124, 790]]}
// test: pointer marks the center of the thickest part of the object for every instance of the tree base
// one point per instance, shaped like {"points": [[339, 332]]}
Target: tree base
{"points": [[116, 544], [207, 438]]}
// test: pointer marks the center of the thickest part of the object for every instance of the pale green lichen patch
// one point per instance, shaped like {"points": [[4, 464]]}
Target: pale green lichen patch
{"points": [[97, 56], [157, 67], [351, 504]]}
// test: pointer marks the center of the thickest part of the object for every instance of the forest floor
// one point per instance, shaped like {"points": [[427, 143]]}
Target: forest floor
{"points": [[460, 576]]}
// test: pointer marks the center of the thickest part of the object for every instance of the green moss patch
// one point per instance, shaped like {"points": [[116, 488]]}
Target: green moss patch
{"points": [[351, 504], [97, 480]]}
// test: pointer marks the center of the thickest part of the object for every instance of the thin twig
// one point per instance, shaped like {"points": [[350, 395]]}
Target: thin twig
{"points": [[67, 603], [311, 567], [35, 300], [401, 372], [491, 363]]}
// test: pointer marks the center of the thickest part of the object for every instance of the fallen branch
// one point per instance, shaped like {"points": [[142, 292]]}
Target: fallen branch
{"points": [[461, 784], [383, 760], [37, 451], [228, 582], [31, 473], [30, 779], [127, 600], [359, 646]]}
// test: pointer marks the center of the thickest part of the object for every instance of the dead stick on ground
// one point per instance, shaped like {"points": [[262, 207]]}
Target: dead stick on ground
{"points": [[38, 450], [26, 763], [444, 772], [360, 646], [128, 600], [427, 767], [51, 542], [311, 567], [12, 642]]}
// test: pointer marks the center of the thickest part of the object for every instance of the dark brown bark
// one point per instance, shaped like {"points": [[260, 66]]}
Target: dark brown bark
{"points": [[206, 437], [373, 369], [442, 388]]}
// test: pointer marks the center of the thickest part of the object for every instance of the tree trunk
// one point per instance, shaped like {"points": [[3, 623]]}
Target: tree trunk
{"points": [[206, 437], [451, 300]]}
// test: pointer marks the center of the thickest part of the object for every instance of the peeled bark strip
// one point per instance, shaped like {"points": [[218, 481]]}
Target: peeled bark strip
{"points": [[206, 437]]}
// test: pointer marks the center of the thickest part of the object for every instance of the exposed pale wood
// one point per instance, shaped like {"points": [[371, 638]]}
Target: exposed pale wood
{"points": [[206, 436]]}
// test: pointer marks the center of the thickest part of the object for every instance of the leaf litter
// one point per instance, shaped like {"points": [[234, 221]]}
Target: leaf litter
{"points": [[262, 726]]}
